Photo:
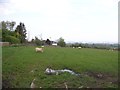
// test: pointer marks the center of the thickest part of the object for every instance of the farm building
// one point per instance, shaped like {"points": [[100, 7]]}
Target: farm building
{"points": [[48, 42], [44, 43]]}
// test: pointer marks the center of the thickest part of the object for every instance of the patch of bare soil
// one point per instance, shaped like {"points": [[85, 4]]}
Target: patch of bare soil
{"points": [[6, 83], [103, 78]]}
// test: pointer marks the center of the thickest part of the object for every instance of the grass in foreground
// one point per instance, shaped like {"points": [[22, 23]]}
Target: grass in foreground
{"points": [[18, 62]]}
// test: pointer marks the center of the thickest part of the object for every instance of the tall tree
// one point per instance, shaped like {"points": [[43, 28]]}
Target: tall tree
{"points": [[61, 42], [11, 25], [48, 42], [22, 31], [37, 41], [8, 34], [3, 25], [7, 25]]}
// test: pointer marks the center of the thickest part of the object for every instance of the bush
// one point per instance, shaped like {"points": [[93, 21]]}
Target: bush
{"points": [[61, 42], [0, 35], [38, 42], [12, 39]]}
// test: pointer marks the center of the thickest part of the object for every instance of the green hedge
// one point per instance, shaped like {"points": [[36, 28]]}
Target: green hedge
{"points": [[12, 39]]}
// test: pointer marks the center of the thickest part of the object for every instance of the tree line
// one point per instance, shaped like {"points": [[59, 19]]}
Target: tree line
{"points": [[13, 34], [94, 45], [17, 35], [39, 42]]}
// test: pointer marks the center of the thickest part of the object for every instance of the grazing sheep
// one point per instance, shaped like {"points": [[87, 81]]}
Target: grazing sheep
{"points": [[39, 49], [79, 47], [42, 46]]}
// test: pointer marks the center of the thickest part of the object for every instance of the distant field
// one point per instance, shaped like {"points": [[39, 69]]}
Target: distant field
{"points": [[18, 62]]}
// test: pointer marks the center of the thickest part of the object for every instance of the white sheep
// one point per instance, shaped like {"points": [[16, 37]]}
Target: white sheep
{"points": [[39, 49], [42, 46], [79, 47]]}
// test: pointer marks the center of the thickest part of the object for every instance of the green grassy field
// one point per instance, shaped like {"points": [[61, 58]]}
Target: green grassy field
{"points": [[18, 62]]}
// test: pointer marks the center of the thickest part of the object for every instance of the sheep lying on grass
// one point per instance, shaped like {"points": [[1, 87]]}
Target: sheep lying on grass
{"points": [[39, 49]]}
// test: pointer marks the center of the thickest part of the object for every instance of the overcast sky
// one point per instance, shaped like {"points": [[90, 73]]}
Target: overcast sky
{"points": [[74, 20]]}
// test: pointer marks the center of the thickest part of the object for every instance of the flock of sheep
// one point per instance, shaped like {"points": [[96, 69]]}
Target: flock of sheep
{"points": [[41, 49], [78, 47]]}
